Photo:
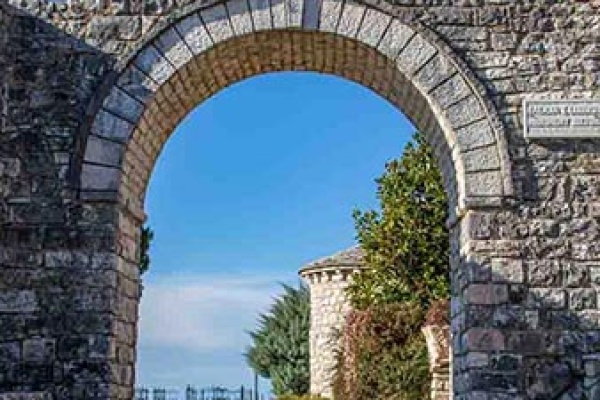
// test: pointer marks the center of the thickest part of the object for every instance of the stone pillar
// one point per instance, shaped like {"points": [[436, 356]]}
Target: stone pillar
{"points": [[327, 279], [438, 347]]}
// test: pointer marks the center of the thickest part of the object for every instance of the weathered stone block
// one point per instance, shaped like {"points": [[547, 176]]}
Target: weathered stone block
{"points": [[544, 273], [507, 270], [122, 104], [174, 48], [216, 21], [26, 395], [416, 53], [475, 135], [10, 353], [99, 177], [546, 298], [451, 91], [194, 33], [311, 11], [581, 299], [58, 258], [102, 28], [154, 65], [434, 73], [483, 339], [138, 85], [18, 301], [350, 19], [373, 27], [239, 14], [576, 275], [395, 38], [104, 152], [486, 294], [465, 112], [109, 125], [39, 350], [481, 159], [486, 183], [294, 13], [331, 11]]}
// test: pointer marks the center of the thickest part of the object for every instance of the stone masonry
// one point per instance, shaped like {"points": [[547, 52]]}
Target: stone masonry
{"points": [[90, 91], [439, 354], [327, 279]]}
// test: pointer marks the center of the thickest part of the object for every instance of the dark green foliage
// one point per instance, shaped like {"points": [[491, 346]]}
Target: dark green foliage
{"points": [[146, 237], [301, 397], [280, 349], [385, 355], [406, 244]]}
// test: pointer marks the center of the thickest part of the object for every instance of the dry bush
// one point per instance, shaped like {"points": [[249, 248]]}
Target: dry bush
{"points": [[384, 355]]}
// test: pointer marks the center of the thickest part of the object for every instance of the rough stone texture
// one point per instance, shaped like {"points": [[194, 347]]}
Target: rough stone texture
{"points": [[438, 348], [329, 305], [524, 214]]}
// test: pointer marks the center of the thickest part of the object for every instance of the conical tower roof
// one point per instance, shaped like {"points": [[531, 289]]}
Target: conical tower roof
{"points": [[351, 258]]}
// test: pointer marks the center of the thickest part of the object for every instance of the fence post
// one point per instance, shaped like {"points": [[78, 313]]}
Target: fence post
{"points": [[255, 386]]}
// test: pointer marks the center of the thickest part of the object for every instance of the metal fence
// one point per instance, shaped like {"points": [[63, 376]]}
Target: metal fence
{"points": [[192, 393]]}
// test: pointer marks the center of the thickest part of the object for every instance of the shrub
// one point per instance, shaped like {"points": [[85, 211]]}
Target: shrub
{"points": [[384, 355], [406, 247], [146, 237], [406, 243], [438, 313], [302, 397]]}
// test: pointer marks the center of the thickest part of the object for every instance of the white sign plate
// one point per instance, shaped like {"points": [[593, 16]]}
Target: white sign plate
{"points": [[548, 118]]}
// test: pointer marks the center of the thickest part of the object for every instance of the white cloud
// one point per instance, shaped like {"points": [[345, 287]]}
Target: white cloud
{"points": [[202, 313]]}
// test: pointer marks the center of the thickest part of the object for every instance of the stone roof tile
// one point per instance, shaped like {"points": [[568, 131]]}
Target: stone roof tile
{"points": [[351, 257]]}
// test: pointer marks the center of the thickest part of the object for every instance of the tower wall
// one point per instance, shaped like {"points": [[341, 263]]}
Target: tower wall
{"points": [[327, 280]]}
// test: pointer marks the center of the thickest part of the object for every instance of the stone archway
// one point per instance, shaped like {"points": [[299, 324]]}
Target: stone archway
{"points": [[92, 91], [217, 46], [213, 47]]}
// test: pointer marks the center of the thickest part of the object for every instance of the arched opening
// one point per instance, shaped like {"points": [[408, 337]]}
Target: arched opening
{"points": [[238, 203], [214, 47]]}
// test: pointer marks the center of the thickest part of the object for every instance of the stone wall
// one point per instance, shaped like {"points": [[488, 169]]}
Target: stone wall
{"points": [[92, 90], [329, 305], [57, 280]]}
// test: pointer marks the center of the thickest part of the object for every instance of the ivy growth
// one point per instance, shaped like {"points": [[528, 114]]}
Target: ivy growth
{"points": [[146, 237]]}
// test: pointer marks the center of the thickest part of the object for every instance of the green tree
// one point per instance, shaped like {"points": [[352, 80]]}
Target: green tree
{"points": [[406, 248], [280, 348], [406, 243], [146, 237]]}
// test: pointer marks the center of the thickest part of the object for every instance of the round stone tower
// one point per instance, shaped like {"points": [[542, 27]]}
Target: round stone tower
{"points": [[327, 279]]}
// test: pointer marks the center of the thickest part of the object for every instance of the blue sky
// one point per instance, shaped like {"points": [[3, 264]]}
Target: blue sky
{"points": [[254, 183]]}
